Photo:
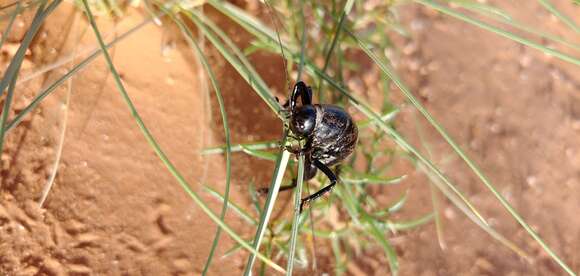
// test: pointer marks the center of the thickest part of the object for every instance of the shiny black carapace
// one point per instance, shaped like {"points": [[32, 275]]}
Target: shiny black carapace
{"points": [[330, 135]]}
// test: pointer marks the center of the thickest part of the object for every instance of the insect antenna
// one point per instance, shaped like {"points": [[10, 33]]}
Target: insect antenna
{"points": [[275, 21]]}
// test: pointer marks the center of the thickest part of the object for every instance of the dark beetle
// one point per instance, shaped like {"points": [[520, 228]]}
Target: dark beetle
{"points": [[330, 135]]}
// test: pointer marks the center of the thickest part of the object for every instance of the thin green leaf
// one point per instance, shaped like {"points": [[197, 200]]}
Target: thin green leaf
{"points": [[233, 250], [241, 147], [273, 190], [11, 75], [564, 18], [236, 208], [339, 264], [373, 179], [463, 208], [386, 245], [405, 225], [386, 118], [9, 26], [399, 203], [500, 16], [303, 39], [296, 220], [346, 10], [14, 66], [482, 8], [238, 61], [259, 154]]}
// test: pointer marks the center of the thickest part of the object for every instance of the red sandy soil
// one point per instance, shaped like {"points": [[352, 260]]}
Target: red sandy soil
{"points": [[115, 209]]}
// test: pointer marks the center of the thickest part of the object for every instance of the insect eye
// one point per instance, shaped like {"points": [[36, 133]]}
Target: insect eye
{"points": [[303, 121]]}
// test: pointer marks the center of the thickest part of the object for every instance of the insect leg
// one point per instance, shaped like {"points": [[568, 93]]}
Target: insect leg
{"points": [[324, 190], [309, 173], [264, 191], [302, 91], [308, 99]]}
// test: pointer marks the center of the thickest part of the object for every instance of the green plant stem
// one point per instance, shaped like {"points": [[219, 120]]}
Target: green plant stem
{"points": [[273, 190], [296, 220], [335, 37], [11, 73], [9, 26], [567, 20], [303, 39]]}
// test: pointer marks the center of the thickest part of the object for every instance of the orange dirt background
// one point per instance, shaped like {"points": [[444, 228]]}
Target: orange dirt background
{"points": [[115, 210]]}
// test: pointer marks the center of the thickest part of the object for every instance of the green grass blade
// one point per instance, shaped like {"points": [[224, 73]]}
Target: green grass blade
{"points": [[193, 44], [238, 61], [373, 179], [339, 264], [406, 91], [463, 208], [246, 21], [502, 17], [259, 154], [435, 202], [347, 8], [498, 31], [564, 18], [296, 220], [11, 75], [152, 142], [386, 118], [232, 250], [405, 225], [303, 39], [14, 66], [399, 203], [236, 208], [393, 208], [38, 99], [378, 235], [482, 8], [242, 147], [6, 111], [277, 178], [9, 26]]}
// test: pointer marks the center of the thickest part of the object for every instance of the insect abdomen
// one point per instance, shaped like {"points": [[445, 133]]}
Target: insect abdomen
{"points": [[335, 135]]}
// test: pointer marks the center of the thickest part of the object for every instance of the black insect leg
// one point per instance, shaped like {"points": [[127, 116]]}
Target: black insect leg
{"points": [[302, 91], [309, 173], [324, 190]]}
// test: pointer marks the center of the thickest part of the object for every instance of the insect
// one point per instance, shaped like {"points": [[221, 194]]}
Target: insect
{"points": [[330, 135]]}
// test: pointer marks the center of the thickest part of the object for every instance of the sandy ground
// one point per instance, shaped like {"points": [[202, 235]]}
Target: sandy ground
{"points": [[515, 111], [115, 210]]}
